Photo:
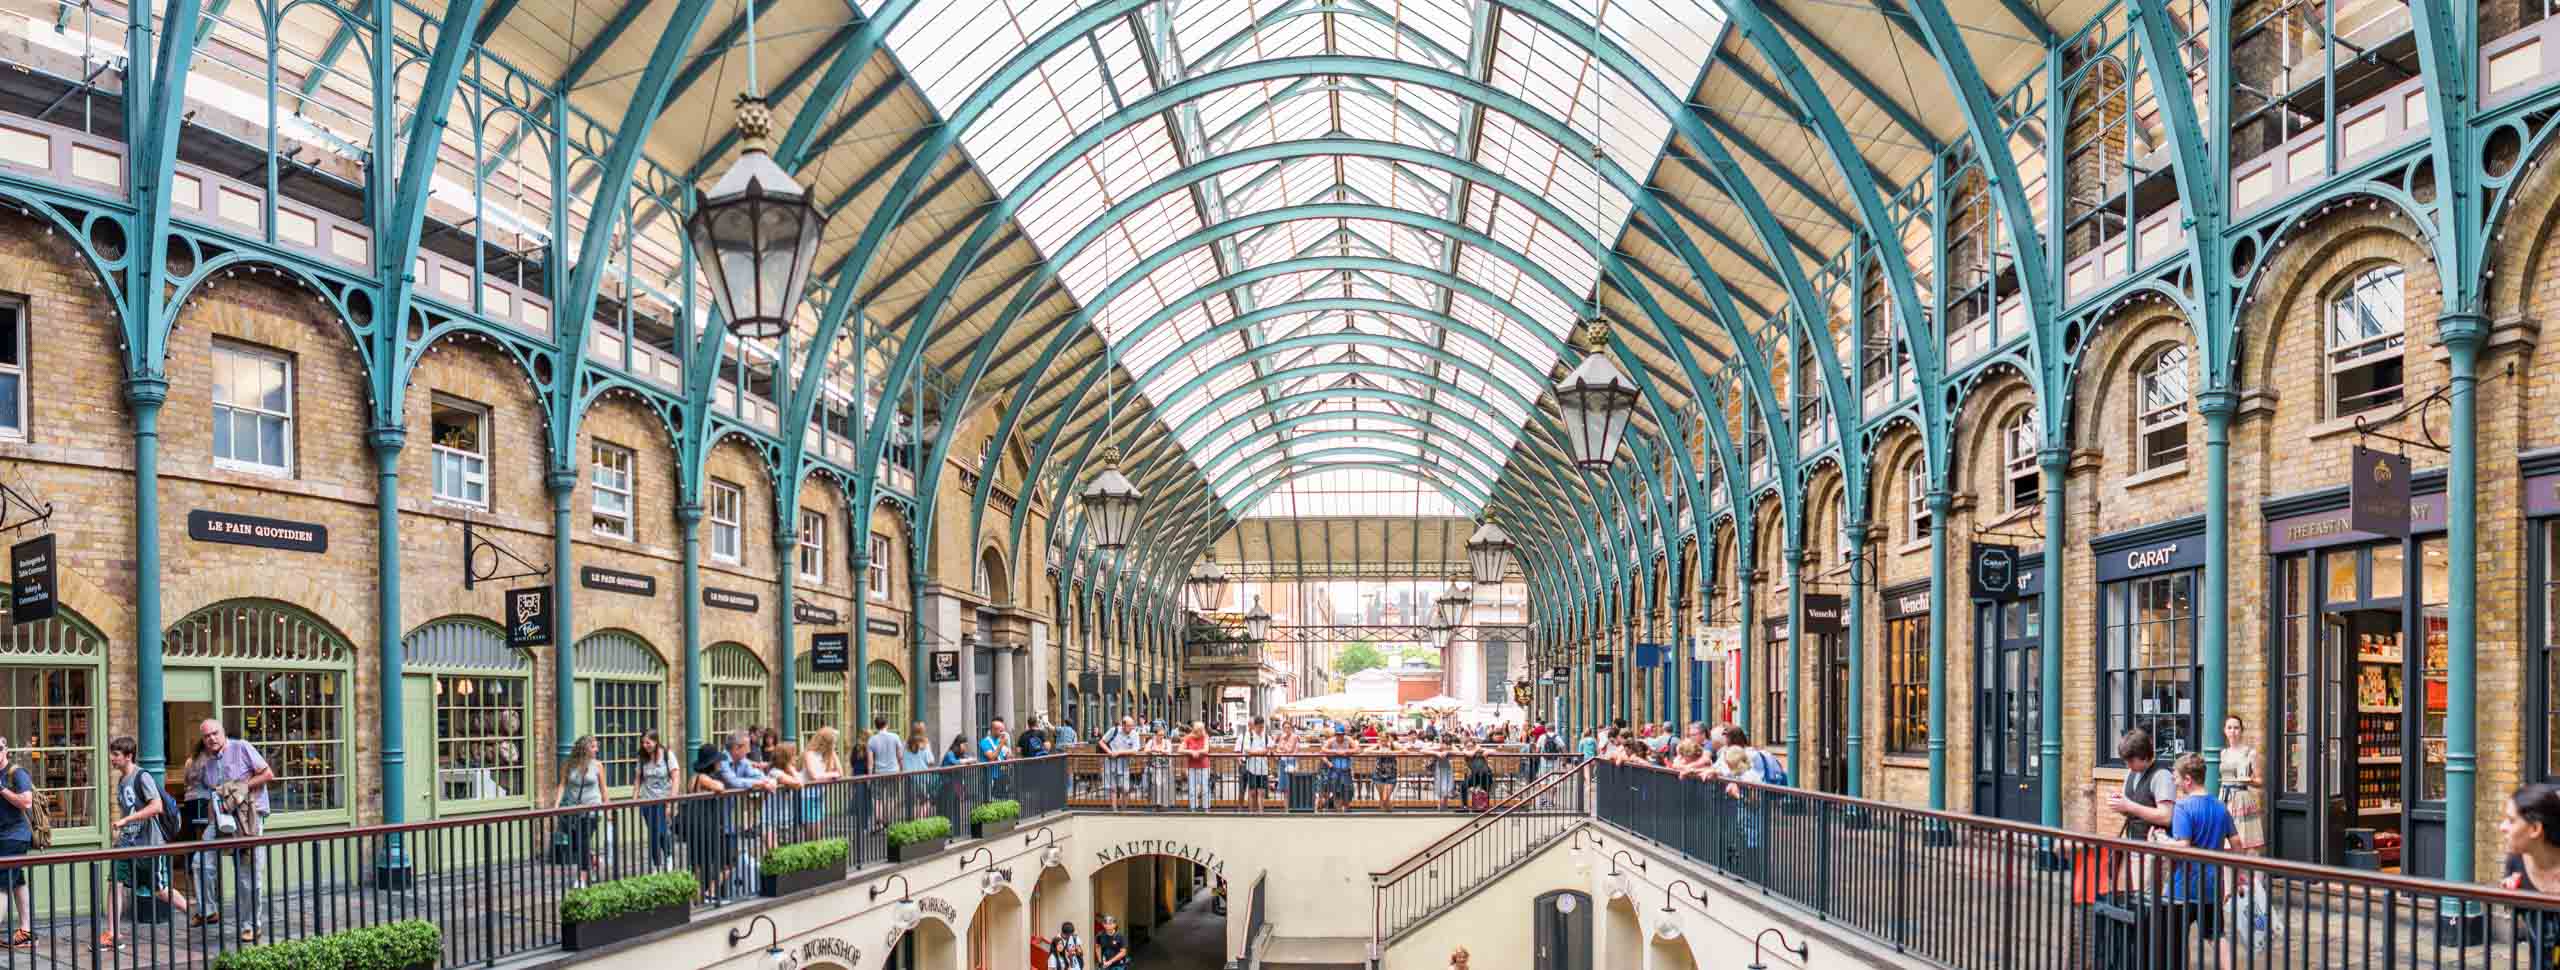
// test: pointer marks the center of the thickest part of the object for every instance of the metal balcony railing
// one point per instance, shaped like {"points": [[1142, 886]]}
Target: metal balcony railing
{"points": [[1453, 868], [1984, 894], [493, 885]]}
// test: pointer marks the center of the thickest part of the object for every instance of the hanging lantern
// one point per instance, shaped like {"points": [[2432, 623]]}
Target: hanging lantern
{"points": [[1258, 622], [1489, 552], [1451, 609], [1208, 585], [1597, 400], [1111, 502], [756, 233]]}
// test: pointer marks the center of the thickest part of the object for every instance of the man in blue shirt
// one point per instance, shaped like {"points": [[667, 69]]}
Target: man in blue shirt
{"points": [[2199, 821], [994, 746], [1064, 738]]}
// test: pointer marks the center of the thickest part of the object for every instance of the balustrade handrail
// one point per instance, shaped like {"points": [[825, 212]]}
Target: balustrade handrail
{"points": [[2380, 881], [1514, 804]]}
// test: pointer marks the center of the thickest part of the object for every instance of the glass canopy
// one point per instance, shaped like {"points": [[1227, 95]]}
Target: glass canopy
{"points": [[1330, 335]]}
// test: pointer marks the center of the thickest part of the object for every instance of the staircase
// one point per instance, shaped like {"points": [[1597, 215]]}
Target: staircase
{"points": [[1448, 871]]}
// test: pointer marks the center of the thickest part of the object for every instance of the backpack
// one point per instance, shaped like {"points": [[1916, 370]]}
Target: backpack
{"points": [[39, 810], [1773, 772], [168, 817]]}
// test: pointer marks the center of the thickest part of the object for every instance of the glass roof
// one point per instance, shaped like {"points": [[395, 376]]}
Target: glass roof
{"points": [[1237, 388], [1355, 493]]}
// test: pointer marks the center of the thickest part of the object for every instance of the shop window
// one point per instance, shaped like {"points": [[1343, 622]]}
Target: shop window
{"points": [[252, 409], [888, 691], [13, 368], [2367, 331], [461, 451], [1915, 497], [621, 681], [2022, 483], [612, 504], [278, 680], [735, 686], [813, 546], [1906, 690], [49, 714], [727, 502], [821, 702], [1773, 716], [877, 580], [483, 692], [2147, 670], [2160, 426]]}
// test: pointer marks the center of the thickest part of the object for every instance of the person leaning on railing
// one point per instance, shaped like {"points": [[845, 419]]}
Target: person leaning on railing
{"points": [[2529, 831]]}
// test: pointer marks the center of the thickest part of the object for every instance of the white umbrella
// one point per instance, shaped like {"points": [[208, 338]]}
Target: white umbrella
{"points": [[1441, 705]]}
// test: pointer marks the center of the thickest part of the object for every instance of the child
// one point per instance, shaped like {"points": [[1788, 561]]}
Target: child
{"points": [[139, 803]]}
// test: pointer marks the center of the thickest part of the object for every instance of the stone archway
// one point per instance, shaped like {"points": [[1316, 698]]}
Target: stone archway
{"points": [[1164, 904], [929, 945], [1000, 932]]}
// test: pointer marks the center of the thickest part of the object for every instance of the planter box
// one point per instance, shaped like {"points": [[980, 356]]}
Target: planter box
{"points": [[989, 830], [587, 936], [769, 885], [918, 850]]}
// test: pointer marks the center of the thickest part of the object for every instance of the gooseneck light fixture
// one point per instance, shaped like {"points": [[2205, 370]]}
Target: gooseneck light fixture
{"points": [[773, 955], [756, 232], [1800, 950]]}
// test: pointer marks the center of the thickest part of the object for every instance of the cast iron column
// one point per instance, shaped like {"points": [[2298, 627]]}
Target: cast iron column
{"points": [[786, 567], [2463, 334], [1939, 502], [1795, 660], [2055, 466], [563, 484], [145, 395], [386, 443], [689, 522], [858, 679], [1855, 544], [2213, 605]]}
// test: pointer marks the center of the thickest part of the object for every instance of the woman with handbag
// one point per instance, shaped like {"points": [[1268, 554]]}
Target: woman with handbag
{"points": [[581, 784]]}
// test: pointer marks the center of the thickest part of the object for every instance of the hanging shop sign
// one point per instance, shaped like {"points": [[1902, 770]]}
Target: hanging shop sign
{"points": [[831, 652], [1088, 682], [2335, 527], [946, 666], [812, 613], [617, 581], [882, 626], [206, 525], [1559, 674], [2378, 492], [529, 617], [33, 581], [1995, 571], [1648, 655], [1521, 695], [1602, 663], [1111, 683], [1908, 601], [1776, 627], [1823, 614], [2126, 556], [730, 599]]}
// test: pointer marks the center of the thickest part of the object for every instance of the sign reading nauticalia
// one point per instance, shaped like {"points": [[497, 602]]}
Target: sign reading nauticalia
{"points": [[206, 525], [1179, 850]]}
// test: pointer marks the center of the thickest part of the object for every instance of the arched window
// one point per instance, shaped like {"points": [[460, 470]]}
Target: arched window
{"points": [[888, 690], [1915, 497], [2160, 419], [621, 689], [482, 690], [2367, 330], [51, 686], [734, 682], [2022, 484], [821, 695], [277, 678]]}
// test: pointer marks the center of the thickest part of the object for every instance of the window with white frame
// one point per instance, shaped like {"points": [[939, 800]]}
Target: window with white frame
{"points": [[877, 580], [460, 451], [252, 409], [2367, 332], [13, 368], [2160, 426], [2022, 482], [813, 546], [727, 501], [1915, 497], [612, 480]]}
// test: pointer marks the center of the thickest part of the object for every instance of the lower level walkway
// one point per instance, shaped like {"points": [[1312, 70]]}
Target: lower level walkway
{"points": [[1196, 939]]}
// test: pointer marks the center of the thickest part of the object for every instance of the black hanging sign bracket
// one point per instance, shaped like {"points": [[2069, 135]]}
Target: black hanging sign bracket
{"points": [[483, 557], [11, 502]]}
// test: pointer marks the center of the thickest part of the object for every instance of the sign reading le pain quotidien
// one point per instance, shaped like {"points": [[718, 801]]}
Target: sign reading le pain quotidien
{"points": [[206, 525]]}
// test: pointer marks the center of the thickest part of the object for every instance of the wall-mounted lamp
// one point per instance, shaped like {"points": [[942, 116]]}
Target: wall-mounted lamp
{"points": [[1630, 857], [1692, 893], [1799, 949], [1051, 857], [906, 913], [773, 954]]}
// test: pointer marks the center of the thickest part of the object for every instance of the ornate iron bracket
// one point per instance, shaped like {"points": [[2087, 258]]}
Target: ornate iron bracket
{"points": [[2420, 407], [11, 500], [474, 572]]}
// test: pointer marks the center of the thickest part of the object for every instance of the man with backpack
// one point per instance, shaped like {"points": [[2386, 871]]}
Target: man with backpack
{"points": [[144, 818], [21, 814]]}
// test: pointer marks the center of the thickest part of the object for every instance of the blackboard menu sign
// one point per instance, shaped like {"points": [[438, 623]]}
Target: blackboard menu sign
{"points": [[831, 652]]}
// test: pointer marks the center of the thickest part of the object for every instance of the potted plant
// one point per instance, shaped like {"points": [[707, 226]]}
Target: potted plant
{"points": [[413, 944], [993, 818], [801, 865], [610, 912], [917, 838]]}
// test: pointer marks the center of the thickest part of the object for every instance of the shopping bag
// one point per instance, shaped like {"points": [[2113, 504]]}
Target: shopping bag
{"points": [[2092, 874]]}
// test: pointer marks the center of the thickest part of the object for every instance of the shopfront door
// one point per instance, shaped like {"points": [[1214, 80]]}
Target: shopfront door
{"points": [[1563, 931], [1834, 745], [2007, 718]]}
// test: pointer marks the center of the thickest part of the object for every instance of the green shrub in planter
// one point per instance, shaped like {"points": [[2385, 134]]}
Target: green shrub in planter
{"points": [[406, 945], [1003, 811], [811, 856], [623, 897], [913, 831]]}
